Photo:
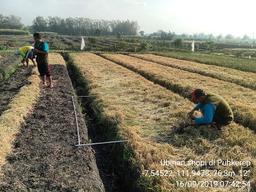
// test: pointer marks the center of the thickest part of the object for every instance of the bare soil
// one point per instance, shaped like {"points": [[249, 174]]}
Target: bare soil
{"points": [[10, 87], [44, 157]]}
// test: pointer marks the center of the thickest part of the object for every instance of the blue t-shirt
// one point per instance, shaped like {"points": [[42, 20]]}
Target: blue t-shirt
{"points": [[208, 111], [45, 47], [42, 57], [42, 46]]}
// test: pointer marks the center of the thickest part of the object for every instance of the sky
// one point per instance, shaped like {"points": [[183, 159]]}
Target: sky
{"points": [[236, 17]]}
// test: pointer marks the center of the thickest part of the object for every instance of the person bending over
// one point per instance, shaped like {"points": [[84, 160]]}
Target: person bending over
{"points": [[213, 109]]}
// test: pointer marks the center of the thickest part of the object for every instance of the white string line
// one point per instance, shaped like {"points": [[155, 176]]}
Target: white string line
{"points": [[77, 127], [102, 143], [78, 131]]}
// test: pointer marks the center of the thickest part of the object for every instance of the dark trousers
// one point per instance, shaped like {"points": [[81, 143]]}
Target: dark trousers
{"points": [[223, 121], [43, 69]]}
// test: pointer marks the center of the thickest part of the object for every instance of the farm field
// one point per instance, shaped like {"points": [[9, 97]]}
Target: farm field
{"points": [[8, 65], [67, 42], [247, 65], [241, 99], [232, 57], [127, 96], [246, 79], [14, 41], [146, 114], [139, 97], [10, 87], [38, 134]]}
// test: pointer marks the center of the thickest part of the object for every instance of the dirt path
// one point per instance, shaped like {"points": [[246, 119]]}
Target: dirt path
{"points": [[44, 157], [10, 87]]}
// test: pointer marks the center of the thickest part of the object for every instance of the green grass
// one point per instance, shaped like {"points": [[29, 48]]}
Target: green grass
{"points": [[8, 65], [245, 79], [13, 32], [210, 59]]}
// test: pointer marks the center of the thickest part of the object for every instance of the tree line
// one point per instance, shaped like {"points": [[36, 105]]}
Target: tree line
{"points": [[10, 22], [92, 27], [228, 38], [72, 26], [84, 26]]}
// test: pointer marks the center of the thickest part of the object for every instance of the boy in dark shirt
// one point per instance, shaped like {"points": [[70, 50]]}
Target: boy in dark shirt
{"points": [[41, 50]]}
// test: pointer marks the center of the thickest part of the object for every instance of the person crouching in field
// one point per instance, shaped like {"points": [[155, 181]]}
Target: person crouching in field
{"points": [[27, 54], [214, 110], [41, 50]]}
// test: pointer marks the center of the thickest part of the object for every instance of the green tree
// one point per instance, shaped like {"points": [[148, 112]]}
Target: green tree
{"points": [[40, 24], [177, 43], [10, 22], [125, 27], [229, 37], [142, 33]]}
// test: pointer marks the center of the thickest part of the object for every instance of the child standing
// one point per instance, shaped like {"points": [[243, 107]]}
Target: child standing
{"points": [[41, 50]]}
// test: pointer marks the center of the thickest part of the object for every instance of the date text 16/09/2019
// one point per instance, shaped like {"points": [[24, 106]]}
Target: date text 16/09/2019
{"points": [[213, 184]]}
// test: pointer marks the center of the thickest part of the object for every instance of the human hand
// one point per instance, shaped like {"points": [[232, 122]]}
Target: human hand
{"points": [[190, 114]]}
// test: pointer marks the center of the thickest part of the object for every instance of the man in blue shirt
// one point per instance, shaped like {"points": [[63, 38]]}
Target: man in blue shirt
{"points": [[213, 108], [41, 50]]}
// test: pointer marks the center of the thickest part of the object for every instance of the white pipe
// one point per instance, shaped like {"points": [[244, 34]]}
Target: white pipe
{"points": [[78, 131], [102, 143], [77, 127]]}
